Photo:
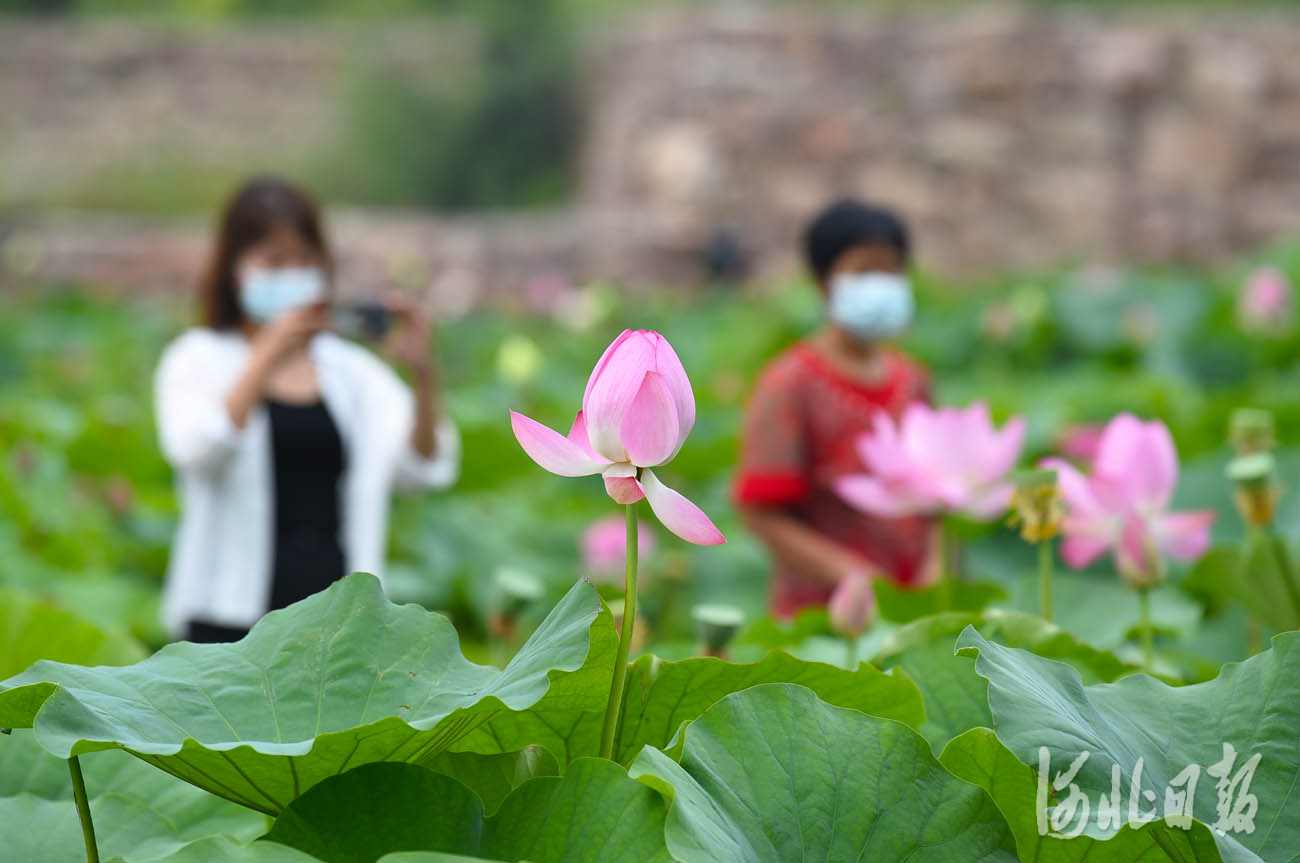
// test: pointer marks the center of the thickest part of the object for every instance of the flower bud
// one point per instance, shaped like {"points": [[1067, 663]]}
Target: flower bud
{"points": [[1251, 430], [716, 624], [853, 605], [1256, 493], [515, 591]]}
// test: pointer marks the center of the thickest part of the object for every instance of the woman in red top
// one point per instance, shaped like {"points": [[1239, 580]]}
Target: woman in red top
{"points": [[816, 399]]}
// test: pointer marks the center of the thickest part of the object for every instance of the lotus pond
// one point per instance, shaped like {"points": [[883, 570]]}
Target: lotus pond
{"points": [[460, 716]]}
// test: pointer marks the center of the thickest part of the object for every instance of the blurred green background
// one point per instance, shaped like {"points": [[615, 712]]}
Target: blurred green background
{"points": [[86, 505]]}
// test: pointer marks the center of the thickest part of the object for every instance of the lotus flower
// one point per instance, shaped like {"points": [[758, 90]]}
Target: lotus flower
{"points": [[604, 547], [1080, 443], [1265, 300], [1123, 506], [636, 413], [937, 460], [852, 606]]}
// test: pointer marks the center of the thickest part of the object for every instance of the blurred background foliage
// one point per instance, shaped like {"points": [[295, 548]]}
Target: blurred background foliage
{"points": [[86, 505]]}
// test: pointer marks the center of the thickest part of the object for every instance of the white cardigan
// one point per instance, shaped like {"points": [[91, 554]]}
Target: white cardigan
{"points": [[220, 568]]}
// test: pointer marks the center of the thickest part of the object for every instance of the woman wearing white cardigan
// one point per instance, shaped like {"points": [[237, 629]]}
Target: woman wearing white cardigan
{"points": [[287, 440]]}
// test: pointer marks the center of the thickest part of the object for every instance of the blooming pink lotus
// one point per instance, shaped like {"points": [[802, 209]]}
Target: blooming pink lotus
{"points": [[853, 605], [1123, 506], [1265, 299], [604, 547], [1080, 443], [936, 460], [636, 413]]}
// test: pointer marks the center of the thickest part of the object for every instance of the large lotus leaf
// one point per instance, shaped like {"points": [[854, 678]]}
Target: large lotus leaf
{"points": [[340, 679], [1014, 628], [1262, 578], [660, 697], [1252, 706], [595, 812], [977, 756], [493, 777], [902, 606], [775, 774], [139, 812], [1103, 612], [773, 633], [956, 698], [220, 849], [32, 629]]}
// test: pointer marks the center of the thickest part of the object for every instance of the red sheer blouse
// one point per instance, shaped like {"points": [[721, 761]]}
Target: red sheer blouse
{"points": [[800, 434]]}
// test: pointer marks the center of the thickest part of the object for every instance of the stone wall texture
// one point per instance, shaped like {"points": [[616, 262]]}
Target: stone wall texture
{"points": [[1010, 136]]}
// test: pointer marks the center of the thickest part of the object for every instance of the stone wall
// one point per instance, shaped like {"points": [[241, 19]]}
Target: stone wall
{"points": [[86, 104], [1010, 136]]}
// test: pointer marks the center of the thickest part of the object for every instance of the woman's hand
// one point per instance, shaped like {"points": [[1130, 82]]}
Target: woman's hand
{"points": [[276, 340], [287, 333], [410, 343]]}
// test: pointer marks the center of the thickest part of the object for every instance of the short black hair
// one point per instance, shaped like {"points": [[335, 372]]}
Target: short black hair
{"points": [[849, 223]]}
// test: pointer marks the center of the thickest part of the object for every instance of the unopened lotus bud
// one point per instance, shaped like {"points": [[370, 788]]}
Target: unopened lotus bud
{"points": [[1251, 430], [515, 591], [1256, 492], [1036, 504], [716, 624], [853, 605]]}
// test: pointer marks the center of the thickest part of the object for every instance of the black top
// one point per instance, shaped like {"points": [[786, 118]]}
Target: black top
{"points": [[307, 459]]}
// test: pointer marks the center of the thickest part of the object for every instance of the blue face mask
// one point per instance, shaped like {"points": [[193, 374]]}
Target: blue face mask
{"points": [[265, 293], [871, 306]]}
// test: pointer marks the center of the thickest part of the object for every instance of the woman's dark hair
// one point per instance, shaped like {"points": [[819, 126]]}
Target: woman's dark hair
{"points": [[846, 224], [257, 208]]}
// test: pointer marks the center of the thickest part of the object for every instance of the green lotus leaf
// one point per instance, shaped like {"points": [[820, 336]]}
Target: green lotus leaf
{"points": [[1104, 612], [1015, 628], [595, 812], [32, 629], [340, 679], [139, 812], [978, 757], [956, 698], [493, 777], [902, 606], [775, 774], [660, 697], [220, 849], [1253, 707]]}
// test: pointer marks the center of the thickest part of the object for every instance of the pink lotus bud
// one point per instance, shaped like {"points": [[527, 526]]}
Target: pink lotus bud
{"points": [[636, 413], [604, 547], [853, 605], [1265, 300]]}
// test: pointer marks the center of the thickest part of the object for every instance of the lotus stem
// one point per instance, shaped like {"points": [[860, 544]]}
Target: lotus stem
{"points": [[83, 810], [1144, 618], [614, 709], [1045, 577], [851, 654]]}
